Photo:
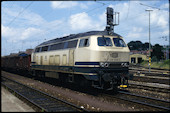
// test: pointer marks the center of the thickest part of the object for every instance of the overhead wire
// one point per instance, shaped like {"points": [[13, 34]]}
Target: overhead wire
{"points": [[51, 29], [61, 23], [43, 33], [103, 4], [76, 17], [128, 10], [84, 12], [36, 19], [46, 14], [19, 14], [94, 27]]}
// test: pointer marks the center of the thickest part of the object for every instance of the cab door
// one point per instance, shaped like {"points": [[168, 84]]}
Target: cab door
{"points": [[41, 60], [71, 57]]}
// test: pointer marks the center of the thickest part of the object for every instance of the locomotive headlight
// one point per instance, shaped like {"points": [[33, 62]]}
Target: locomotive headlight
{"points": [[106, 64], [124, 64], [102, 64]]}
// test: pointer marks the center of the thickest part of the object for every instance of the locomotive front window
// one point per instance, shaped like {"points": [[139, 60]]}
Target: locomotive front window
{"points": [[119, 42], [84, 43], [103, 41]]}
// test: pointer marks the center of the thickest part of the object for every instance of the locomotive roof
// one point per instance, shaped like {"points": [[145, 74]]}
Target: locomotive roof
{"points": [[72, 36]]}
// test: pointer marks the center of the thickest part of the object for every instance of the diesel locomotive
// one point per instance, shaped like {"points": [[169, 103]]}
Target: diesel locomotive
{"points": [[91, 58]]}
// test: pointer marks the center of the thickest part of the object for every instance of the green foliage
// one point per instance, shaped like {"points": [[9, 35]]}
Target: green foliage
{"points": [[144, 63], [154, 59], [167, 62], [138, 45], [157, 52], [162, 65]]}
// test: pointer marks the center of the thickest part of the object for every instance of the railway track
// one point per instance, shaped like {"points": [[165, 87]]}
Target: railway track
{"points": [[152, 71], [39, 100], [153, 78], [146, 68], [152, 103], [143, 101], [150, 88], [146, 73]]}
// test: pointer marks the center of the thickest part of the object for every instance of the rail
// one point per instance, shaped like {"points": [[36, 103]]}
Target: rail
{"points": [[40, 100], [150, 88], [144, 100]]}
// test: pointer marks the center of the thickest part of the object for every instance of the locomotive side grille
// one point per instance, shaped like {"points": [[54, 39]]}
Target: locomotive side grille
{"points": [[114, 55]]}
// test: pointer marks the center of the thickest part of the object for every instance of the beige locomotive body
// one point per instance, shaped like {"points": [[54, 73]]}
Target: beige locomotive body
{"points": [[86, 61]]}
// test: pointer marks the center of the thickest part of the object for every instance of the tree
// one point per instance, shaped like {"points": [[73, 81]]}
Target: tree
{"points": [[157, 52], [146, 46], [138, 45], [131, 45], [135, 45]]}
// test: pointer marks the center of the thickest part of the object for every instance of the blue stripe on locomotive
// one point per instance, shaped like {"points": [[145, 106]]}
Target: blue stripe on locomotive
{"points": [[87, 63]]}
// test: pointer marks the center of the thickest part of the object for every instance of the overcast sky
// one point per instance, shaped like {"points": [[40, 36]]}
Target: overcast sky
{"points": [[25, 24]]}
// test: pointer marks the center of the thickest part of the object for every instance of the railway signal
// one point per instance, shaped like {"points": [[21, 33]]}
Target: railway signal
{"points": [[111, 20], [149, 61]]}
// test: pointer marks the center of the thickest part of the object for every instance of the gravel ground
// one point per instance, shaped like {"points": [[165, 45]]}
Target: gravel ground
{"points": [[94, 103]]}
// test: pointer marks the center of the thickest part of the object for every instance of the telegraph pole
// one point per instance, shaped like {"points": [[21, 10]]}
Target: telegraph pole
{"points": [[149, 40], [149, 31]]}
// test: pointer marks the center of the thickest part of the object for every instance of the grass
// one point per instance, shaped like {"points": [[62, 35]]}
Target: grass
{"points": [[162, 65]]}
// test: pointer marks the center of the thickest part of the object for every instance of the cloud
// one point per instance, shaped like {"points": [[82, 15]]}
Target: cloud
{"points": [[63, 4], [102, 17], [135, 29], [159, 18], [18, 34], [33, 28], [135, 25], [83, 6], [80, 21], [68, 4], [9, 33], [135, 33], [165, 6], [29, 32], [28, 26], [26, 18]]}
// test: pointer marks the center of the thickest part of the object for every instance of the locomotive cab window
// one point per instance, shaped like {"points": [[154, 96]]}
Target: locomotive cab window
{"points": [[84, 43], [119, 42], [104, 41]]}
